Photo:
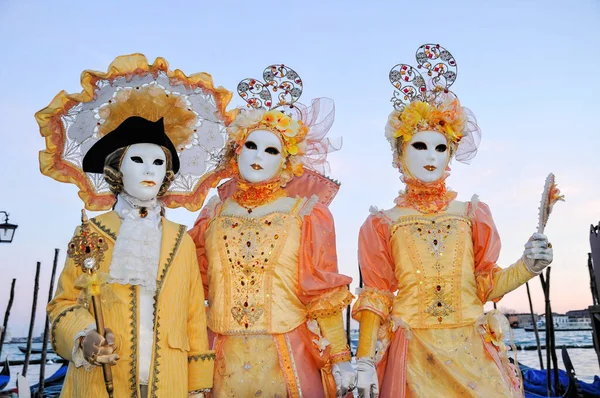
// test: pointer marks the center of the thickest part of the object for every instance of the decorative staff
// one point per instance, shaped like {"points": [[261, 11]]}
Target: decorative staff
{"points": [[87, 251], [550, 196]]}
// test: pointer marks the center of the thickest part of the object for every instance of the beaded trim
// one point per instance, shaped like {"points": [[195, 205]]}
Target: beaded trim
{"points": [[133, 317], [202, 357], [104, 228]]}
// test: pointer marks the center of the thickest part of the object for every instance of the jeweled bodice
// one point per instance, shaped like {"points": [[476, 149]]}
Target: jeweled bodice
{"points": [[433, 257], [253, 273]]}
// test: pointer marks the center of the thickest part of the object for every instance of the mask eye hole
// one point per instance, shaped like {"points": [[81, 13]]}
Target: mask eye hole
{"points": [[441, 148], [419, 146], [250, 145], [159, 162], [272, 150], [137, 159]]}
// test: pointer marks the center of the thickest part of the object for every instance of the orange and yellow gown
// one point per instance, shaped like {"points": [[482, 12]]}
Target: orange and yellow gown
{"points": [[427, 277], [268, 279]]}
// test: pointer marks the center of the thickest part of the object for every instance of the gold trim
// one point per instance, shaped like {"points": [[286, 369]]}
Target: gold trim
{"points": [[288, 367], [104, 229], [159, 284], [133, 379], [413, 219], [55, 324], [204, 357]]}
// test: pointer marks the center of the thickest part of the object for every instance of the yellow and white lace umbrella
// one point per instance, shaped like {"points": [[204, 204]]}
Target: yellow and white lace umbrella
{"points": [[194, 113]]}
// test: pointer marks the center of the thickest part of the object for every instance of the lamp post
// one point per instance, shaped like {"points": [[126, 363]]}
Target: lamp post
{"points": [[7, 230]]}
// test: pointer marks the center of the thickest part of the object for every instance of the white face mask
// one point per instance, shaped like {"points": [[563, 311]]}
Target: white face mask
{"points": [[426, 156], [144, 167], [261, 156]]}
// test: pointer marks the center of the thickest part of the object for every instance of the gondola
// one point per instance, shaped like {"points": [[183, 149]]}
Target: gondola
{"points": [[5, 374], [56, 379], [535, 382], [23, 349]]}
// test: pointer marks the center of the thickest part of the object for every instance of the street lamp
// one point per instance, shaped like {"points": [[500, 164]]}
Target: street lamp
{"points": [[7, 230]]}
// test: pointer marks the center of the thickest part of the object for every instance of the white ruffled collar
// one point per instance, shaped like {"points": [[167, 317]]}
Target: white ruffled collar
{"points": [[136, 254]]}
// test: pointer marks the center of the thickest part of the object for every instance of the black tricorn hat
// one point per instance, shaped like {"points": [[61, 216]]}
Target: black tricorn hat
{"points": [[133, 130]]}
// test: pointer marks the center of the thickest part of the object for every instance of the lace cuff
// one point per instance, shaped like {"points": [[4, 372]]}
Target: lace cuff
{"points": [[331, 303], [77, 354], [377, 301]]}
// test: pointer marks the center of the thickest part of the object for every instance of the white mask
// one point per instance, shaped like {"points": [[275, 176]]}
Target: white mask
{"points": [[426, 156], [261, 156], [144, 167]]}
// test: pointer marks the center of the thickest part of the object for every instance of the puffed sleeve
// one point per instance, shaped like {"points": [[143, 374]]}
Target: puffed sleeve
{"points": [[322, 288], [492, 280], [197, 233], [377, 268]]}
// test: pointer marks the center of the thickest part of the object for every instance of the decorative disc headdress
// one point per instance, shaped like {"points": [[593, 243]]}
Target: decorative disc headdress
{"points": [[192, 108], [421, 104], [301, 129]]}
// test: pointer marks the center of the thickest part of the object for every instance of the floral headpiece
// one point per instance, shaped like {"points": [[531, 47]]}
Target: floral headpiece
{"points": [[301, 129], [421, 105]]}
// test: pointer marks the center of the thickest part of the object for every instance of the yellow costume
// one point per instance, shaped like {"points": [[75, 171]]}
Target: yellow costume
{"points": [[429, 264], [159, 320], [180, 340], [266, 276], [442, 267]]}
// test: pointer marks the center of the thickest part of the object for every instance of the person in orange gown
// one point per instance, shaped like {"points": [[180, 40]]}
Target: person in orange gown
{"points": [[429, 263], [267, 254]]}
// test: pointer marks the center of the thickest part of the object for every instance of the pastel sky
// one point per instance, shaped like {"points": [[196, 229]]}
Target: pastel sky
{"points": [[527, 69]]}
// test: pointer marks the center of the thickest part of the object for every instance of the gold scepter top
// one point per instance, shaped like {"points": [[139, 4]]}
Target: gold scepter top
{"points": [[87, 248]]}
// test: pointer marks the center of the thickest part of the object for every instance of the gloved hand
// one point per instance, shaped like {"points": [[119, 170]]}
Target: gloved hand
{"points": [[538, 253], [345, 378], [98, 350], [367, 384]]}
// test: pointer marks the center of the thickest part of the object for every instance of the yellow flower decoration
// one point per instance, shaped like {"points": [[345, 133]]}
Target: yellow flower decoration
{"points": [[447, 118]]}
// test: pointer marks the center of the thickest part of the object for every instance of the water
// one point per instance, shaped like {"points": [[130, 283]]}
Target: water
{"points": [[584, 359], [579, 346], [33, 371], [582, 355]]}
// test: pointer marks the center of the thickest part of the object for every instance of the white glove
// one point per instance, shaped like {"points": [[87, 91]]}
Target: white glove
{"points": [[345, 378], [538, 253], [367, 384]]}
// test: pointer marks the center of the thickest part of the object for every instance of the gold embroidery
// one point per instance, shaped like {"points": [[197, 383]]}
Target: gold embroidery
{"points": [[439, 308], [434, 234], [434, 231], [252, 246]]}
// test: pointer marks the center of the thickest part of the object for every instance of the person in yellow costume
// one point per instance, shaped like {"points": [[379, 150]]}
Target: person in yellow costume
{"points": [[429, 263], [126, 141], [267, 254]]}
